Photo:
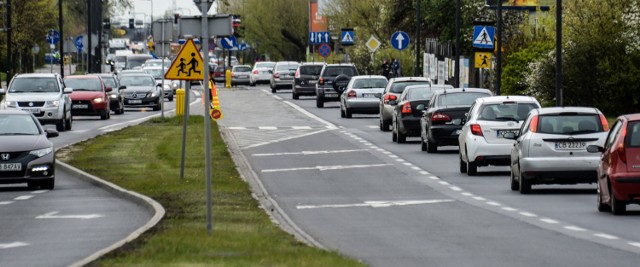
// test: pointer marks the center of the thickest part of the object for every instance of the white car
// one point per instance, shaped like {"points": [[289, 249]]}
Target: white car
{"points": [[260, 72], [481, 139], [362, 95]]}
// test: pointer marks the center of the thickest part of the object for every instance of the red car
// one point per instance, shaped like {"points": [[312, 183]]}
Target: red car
{"points": [[89, 97], [619, 169]]}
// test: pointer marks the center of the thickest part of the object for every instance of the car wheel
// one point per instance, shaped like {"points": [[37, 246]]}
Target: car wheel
{"points": [[273, 90], [514, 184], [171, 99], [524, 185], [394, 137], [617, 207], [104, 115], [121, 108], [69, 122], [463, 165], [423, 145], [472, 168], [432, 147], [348, 113], [62, 124], [602, 207], [384, 125], [319, 102], [157, 107], [48, 184], [402, 138], [252, 84], [342, 115], [294, 95]]}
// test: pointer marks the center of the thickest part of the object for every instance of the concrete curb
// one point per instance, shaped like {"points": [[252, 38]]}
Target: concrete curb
{"points": [[259, 192]]}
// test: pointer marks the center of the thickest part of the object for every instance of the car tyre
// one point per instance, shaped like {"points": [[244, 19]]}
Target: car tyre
{"points": [[384, 125], [423, 145], [463, 165], [394, 137], [472, 168], [342, 115], [319, 102], [524, 185], [602, 207], [617, 207], [402, 138], [348, 113], [171, 99], [104, 115], [62, 123], [432, 147], [69, 122], [157, 107], [294, 95], [514, 184]]}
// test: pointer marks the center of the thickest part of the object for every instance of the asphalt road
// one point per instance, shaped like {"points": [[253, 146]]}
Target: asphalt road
{"points": [[76, 219], [348, 186]]}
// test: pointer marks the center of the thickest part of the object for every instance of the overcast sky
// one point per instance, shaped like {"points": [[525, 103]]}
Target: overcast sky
{"points": [[184, 7]]}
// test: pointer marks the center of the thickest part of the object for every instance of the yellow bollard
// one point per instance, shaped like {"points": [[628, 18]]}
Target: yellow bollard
{"points": [[227, 79], [180, 102]]}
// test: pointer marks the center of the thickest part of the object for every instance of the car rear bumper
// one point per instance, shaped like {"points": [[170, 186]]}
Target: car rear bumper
{"points": [[444, 135], [260, 78], [409, 126], [559, 170], [372, 104], [626, 186], [304, 89], [483, 153], [240, 80]]}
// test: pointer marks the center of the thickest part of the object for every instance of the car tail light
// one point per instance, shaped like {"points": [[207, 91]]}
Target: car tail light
{"points": [[389, 97], [277, 75], [476, 130], [440, 117], [352, 94], [620, 150], [605, 124], [406, 108], [321, 81], [255, 72], [533, 127], [297, 76]]}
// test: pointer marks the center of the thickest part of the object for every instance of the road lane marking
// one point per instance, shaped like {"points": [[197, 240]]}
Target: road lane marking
{"points": [[39, 191], [376, 204], [575, 228], [373, 126], [301, 127], [23, 197], [13, 245], [277, 97], [492, 203], [309, 114], [549, 221], [6, 202], [306, 153], [528, 214], [444, 183], [285, 139], [509, 209], [53, 215], [407, 164], [267, 128], [467, 194], [635, 244], [237, 128], [415, 168], [606, 236], [479, 198], [325, 168], [424, 173], [455, 188]]}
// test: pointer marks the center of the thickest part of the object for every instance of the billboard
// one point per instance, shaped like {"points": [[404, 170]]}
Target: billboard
{"points": [[317, 22], [521, 4]]}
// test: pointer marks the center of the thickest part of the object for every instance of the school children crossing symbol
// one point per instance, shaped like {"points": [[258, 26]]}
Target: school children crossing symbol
{"points": [[188, 65], [483, 37]]}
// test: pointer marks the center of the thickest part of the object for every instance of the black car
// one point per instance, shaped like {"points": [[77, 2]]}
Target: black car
{"points": [[115, 96], [141, 90], [408, 111], [437, 127], [305, 79], [332, 82], [26, 154]]}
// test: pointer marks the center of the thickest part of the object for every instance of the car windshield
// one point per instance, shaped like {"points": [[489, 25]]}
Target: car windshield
{"points": [[241, 69], [507, 111], [156, 63], [18, 124], [265, 65], [570, 124], [83, 84], [310, 70], [633, 134], [135, 62], [398, 87], [156, 73], [287, 67], [459, 99], [335, 71], [33, 84], [419, 93], [369, 83], [108, 82], [137, 81]]}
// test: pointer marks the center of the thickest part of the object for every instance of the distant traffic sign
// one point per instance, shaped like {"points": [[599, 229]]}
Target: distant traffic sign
{"points": [[188, 65], [324, 50], [183, 41], [483, 36], [319, 37], [243, 46], [79, 44], [373, 44], [400, 40], [229, 42], [347, 37], [53, 37]]}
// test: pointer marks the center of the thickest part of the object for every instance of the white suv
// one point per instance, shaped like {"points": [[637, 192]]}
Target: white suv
{"points": [[42, 94]]}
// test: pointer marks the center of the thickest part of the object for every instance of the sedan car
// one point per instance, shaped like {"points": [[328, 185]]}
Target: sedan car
{"points": [[408, 111], [481, 139], [218, 74], [282, 75], [619, 167], [305, 79], [90, 96], [362, 95], [26, 155], [437, 127], [141, 90], [551, 147], [116, 100], [260, 72], [240, 74], [394, 88], [158, 75]]}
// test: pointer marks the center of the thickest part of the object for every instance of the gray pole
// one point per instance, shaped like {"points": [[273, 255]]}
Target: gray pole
{"points": [[60, 24], [187, 90], [162, 90], [499, 56], [89, 44], [456, 73], [9, 60], [204, 40], [559, 53], [416, 72]]}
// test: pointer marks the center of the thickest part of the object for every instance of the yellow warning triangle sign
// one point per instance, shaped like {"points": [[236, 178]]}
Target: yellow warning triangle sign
{"points": [[188, 65]]}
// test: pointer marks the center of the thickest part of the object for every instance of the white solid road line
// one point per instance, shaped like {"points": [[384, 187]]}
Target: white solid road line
{"points": [[376, 204], [306, 153], [13, 245], [310, 115], [285, 139], [325, 168], [52, 215]]}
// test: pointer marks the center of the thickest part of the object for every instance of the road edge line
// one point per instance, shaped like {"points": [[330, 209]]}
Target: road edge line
{"points": [[311, 115]]}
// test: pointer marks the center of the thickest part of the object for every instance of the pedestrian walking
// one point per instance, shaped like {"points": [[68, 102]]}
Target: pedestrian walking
{"points": [[395, 67], [386, 68]]}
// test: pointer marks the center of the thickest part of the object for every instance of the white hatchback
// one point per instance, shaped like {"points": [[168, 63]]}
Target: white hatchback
{"points": [[481, 139]]}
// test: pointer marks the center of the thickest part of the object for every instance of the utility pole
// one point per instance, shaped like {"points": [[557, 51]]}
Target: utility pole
{"points": [[60, 23], [456, 73], [9, 61], [89, 44], [559, 53], [499, 56], [416, 72]]}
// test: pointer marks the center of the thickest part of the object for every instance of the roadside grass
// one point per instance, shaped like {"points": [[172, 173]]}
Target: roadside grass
{"points": [[146, 159]]}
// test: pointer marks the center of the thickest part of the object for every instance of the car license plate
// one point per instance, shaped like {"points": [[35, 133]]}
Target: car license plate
{"points": [[312, 82], [32, 110], [80, 106], [330, 95], [7, 167], [135, 101], [501, 133], [570, 145], [369, 95]]}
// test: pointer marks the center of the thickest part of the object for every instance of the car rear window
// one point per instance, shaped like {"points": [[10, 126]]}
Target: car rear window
{"points": [[460, 98], [398, 87], [369, 83], [310, 70], [419, 93], [265, 65], [335, 71], [506, 111], [633, 134], [287, 67], [569, 124], [242, 69]]}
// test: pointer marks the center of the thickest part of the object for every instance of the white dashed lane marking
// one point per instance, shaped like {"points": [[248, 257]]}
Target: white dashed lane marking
{"points": [[606, 236], [23, 197], [5, 202]]}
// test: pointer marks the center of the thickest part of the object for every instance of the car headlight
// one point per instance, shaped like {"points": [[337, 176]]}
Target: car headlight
{"points": [[113, 96], [54, 103], [11, 104], [166, 87], [175, 85], [41, 152], [153, 94], [97, 100]]}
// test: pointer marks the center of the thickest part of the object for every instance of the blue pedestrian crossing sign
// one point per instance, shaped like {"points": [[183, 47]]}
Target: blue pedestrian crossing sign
{"points": [[483, 37], [229, 42], [347, 37], [319, 37], [400, 40]]}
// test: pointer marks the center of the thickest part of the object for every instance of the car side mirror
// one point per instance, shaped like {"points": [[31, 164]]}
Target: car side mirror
{"points": [[393, 102], [595, 149], [50, 133], [420, 107], [122, 87], [510, 136], [68, 90], [270, 71], [108, 89]]}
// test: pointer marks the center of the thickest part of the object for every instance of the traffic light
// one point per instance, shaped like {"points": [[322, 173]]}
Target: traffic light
{"points": [[176, 16], [131, 24]]}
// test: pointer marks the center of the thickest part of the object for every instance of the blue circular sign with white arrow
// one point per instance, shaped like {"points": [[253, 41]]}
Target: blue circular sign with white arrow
{"points": [[53, 37], [229, 42], [78, 43], [400, 40]]}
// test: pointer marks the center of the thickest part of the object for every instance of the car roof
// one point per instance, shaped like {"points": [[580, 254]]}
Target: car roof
{"points": [[340, 64], [502, 98], [368, 77], [311, 64], [403, 79], [286, 63], [632, 117], [37, 75], [86, 76], [247, 66], [460, 90], [554, 110]]}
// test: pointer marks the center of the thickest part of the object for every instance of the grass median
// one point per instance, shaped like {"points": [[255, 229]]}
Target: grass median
{"points": [[146, 159]]}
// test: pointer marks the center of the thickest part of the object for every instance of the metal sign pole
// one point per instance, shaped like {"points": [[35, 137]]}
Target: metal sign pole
{"points": [[163, 70], [187, 91], [204, 40]]}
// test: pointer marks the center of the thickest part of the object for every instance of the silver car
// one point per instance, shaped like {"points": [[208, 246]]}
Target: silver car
{"points": [[260, 72], [392, 93], [158, 75], [362, 95], [240, 74], [551, 147], [282, 75]]}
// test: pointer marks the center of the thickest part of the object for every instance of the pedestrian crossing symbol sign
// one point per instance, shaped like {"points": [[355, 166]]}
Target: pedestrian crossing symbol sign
{"points": [[188, 65], [347, 37], [483, 37]]}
